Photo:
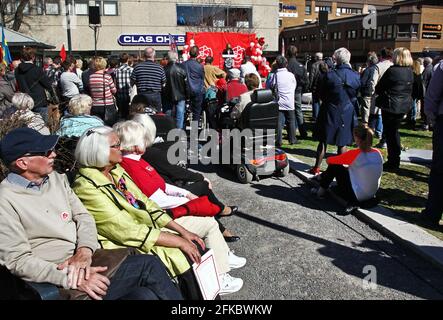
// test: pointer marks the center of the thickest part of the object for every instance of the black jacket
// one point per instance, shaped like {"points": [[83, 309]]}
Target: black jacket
{"points": [[395, 90], [33, 81], [172, 174], [177, 87], [300, 73]]}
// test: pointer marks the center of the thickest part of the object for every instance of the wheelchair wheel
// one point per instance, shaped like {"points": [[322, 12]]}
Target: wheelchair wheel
{"points": [[243, 174], [283, 172]]}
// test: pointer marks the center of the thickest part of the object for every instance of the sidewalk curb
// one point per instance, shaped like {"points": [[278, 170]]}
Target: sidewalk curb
{"points": [[387, 222]]}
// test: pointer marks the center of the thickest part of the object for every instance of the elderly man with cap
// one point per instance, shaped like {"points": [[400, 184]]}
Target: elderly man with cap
{"points": [[47, 235], [234, 88]]}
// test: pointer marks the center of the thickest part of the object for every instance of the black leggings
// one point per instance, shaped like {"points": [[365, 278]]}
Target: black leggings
{"points": [[341, 174]]}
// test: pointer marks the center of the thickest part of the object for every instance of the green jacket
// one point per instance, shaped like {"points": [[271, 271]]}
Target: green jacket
{"points": [[119, 224]]}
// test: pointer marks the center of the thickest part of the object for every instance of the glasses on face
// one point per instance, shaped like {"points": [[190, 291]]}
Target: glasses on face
{"points": [[46, 154], [115, 146]]}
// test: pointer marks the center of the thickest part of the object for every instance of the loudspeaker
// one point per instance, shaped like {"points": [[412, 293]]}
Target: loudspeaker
{"points": [[94, 15], [323, 19]]}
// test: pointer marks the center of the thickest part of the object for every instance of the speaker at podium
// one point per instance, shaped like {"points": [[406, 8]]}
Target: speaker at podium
{"points": [[94, 15]]}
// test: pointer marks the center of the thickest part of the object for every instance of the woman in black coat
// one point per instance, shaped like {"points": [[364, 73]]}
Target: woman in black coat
{"points": [[395, 98]]}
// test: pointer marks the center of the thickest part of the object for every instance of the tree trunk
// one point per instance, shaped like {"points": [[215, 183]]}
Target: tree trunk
{"points": [[18, 17]]}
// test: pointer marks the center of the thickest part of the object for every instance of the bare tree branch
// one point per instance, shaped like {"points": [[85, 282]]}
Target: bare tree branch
{"points": [[18, 17]]}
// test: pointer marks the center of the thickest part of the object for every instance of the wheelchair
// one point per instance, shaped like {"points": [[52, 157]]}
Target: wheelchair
{"points": [[257, 151]]}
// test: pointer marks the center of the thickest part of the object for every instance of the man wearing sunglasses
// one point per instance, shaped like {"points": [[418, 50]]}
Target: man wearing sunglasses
{"points": [[47, 235]]}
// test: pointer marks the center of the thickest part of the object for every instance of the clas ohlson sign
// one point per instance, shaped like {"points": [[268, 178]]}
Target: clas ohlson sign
{"points": [[149, 39]]}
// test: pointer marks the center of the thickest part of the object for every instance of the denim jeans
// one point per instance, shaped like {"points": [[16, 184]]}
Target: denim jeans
{"points": [[180, 109], [197, 106], [43, 111], [412, 115], [154, 99], [315, 108], [142, 277], [376, 123], [289, 116]]}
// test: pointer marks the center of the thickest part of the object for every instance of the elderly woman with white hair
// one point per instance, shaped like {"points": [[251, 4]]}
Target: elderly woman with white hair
{"points": [[79, 118], [156, 155], [337, 116], [126, 217], [24, 104]]}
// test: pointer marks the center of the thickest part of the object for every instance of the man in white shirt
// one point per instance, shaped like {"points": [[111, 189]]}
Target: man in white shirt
{"points": [[248, 67]]}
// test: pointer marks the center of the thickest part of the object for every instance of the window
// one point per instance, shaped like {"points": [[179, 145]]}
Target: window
{"points": [[37, 8], [308, 10], [379, 34], [313, 37], [407, 31], [110, 8], [341, 10], [323, 8], [81, 7], [214, 16], [280, 23], [52, 7], [351, 34], [336, 35]]}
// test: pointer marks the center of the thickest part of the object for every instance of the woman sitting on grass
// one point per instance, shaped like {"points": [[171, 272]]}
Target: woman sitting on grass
{"points": [[358, 172]]}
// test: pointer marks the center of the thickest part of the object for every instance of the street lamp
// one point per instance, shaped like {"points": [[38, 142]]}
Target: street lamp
{"points": [[68, 24]]}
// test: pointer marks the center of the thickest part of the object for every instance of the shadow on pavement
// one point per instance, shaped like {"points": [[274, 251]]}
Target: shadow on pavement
{"points": [[354, 261]]}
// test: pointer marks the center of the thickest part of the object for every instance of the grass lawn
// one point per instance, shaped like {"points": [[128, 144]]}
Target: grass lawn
{"points": [[405, 191]]}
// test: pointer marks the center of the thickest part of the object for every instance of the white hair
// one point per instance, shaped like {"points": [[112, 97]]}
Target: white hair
{"points": [[342, 56], [80, 104], [172, 56], [131, 134], [318, 56], [22, 101], [93, 147], [149, 125]]}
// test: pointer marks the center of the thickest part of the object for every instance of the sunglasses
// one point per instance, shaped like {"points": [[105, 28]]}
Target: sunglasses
{"points": [[46, 154]]}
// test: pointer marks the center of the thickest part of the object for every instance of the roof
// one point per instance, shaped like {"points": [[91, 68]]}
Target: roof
{"points": [[17, 39]]}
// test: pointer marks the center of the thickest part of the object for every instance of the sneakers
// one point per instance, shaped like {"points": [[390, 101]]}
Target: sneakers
{"points": [[234, 261], [381, 145], [314, 170], [229, 284]]}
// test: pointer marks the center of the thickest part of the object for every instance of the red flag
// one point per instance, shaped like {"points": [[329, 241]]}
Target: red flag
{"points": [[63, 52]]}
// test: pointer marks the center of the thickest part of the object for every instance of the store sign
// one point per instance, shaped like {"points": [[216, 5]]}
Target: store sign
{"points": [[288, 11], [288, 14], [149, 40], [433, 36], [432, 27]]}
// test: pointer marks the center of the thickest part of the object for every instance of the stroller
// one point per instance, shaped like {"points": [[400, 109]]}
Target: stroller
{"points": [[257, 126]]}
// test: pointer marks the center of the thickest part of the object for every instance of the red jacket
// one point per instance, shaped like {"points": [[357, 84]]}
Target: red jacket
{"points": [[235, 89]]}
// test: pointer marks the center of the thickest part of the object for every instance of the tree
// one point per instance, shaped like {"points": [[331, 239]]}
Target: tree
{"points": [[16, 18]]}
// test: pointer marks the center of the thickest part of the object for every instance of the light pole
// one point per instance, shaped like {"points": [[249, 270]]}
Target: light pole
{"points": [[68, 24]]}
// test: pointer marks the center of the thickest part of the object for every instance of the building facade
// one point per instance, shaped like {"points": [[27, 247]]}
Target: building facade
{"points": [[414, 24], [153, 19], [298, 12]]}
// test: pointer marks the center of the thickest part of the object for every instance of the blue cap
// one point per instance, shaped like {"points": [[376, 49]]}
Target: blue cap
{"points": [[21, 141]]}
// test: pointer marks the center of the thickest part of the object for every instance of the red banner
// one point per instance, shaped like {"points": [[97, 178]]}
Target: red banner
{"points": [[213, 44]]}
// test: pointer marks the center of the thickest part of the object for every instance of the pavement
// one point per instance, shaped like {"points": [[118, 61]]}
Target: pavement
{"points": [[417, 156], [298, 248], [388, 222]]}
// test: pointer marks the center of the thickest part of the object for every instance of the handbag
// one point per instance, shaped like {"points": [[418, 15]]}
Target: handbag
{"points": [[111, 112], [111, 258], [274, 88]]}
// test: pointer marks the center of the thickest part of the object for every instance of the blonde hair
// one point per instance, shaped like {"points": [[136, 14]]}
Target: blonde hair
{"points": [[23, 101], [131, 134], [80, 104], [416, 67], [100, 63], [366, 136], [402, 57]]}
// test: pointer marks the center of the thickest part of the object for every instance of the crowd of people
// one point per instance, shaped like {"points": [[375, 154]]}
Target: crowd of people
{"points": [[124, 193]]}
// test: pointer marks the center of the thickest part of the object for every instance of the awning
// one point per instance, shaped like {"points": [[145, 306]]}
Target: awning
{"points": [[17, 39]]}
